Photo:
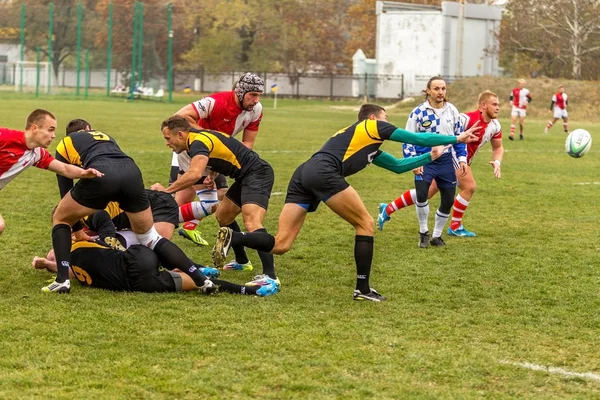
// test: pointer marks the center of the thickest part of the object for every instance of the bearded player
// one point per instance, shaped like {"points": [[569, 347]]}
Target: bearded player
{"points": [[487, 115]]}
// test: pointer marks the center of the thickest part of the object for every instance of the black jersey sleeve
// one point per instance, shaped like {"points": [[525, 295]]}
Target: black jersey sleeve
{"points": [[385, 129], [64, 184], [198, 148]]}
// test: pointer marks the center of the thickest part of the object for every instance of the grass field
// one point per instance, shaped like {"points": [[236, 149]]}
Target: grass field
{"points": [[471, 320]]}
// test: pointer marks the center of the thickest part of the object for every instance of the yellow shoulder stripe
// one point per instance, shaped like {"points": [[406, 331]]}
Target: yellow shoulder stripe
{"points": [[66, 149]]}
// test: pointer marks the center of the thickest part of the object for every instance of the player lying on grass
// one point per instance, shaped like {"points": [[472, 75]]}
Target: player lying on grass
{"points": [[322, 179], [20, 150], [122, 182], [137, 269], [487, 117]]}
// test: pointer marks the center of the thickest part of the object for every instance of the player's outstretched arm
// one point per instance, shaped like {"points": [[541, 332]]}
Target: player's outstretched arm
{"points": [[433, 139], [400, 165], [72, 171]]}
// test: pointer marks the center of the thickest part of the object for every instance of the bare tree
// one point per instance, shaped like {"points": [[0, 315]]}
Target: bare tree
{"points": [[559, 34]]}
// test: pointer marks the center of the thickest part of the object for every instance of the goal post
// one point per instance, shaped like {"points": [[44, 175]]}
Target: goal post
{"points": [[31, 76]]}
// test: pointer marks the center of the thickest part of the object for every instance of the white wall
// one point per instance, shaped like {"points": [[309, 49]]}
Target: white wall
{"points": [[420, 41], [409, 43]]}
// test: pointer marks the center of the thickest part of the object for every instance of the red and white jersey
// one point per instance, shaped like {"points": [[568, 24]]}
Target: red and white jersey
{"points": [[490, 130], [520, 98], [220, 112], [15, 157], [560, 100]]}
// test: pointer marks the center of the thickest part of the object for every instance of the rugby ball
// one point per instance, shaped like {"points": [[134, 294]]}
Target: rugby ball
{"points": [[578, 143]]}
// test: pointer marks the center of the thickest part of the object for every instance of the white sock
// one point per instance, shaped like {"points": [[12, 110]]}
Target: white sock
{"points": [[422, 215], [440, 222]]}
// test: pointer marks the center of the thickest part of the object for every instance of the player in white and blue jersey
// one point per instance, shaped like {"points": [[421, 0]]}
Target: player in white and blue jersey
{"points": [[436, 115]]}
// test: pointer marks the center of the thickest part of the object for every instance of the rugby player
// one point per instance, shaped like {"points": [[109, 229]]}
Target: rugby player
{"points": [[122, 182], [322, 178], [222, 154]]}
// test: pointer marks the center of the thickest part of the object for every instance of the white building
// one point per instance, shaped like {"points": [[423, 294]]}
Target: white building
{"points": [[421, 41]]}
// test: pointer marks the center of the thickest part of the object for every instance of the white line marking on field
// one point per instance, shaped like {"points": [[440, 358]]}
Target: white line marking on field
{"points": [[586, 183], [554, 370]]}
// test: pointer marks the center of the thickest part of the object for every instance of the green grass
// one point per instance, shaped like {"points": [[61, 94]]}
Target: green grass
{"points": [[524, 290]]}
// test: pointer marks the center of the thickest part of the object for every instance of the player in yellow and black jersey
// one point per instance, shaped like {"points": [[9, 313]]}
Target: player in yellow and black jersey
{"points": [[122, 182], [136, 269], [321, 178], [221, 153]]}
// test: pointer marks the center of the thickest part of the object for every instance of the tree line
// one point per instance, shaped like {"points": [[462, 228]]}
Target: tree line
{"points": [[555, 38]]}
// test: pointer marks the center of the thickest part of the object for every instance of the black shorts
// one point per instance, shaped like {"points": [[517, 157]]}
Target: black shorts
{"points": [[254, 187], [220, 180], [314, 181], [164, 207], [144, 273], [122, 182]]}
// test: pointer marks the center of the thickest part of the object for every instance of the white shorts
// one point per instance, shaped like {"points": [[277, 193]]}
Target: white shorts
{"points": [[560, 113], [518, 112]]}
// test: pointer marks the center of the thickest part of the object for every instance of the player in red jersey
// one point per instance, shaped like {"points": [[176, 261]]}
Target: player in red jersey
{"points": [[486, 114], [559, 107], [519, 98], [230, 112], [20, 150]]}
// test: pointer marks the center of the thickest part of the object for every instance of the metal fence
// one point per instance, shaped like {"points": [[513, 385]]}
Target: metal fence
{"points": [[315, 85]]}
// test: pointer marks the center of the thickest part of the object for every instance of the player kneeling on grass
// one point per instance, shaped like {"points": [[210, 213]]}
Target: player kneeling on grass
{"points": [[137, 269], [322, 178]]}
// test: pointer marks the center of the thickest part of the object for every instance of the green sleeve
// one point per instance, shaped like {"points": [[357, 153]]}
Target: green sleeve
{"points": [[400, 165], [422, 139]]}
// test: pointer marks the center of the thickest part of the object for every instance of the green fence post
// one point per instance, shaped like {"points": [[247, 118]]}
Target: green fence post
{"points": [[87, 72], [50, 51], [170, 51], [109, 48], [140, 41], [133, 52], [78, 53], [22, 47]]}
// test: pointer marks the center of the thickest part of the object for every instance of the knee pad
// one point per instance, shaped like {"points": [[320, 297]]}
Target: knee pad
{"points": [[149, 239]]}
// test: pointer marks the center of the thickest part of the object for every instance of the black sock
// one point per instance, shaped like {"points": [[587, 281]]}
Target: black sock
{"points": [[268, 263], [363, 256], [240, 253], [172, 257], [61, 242], [261, 241], [234, 288]]}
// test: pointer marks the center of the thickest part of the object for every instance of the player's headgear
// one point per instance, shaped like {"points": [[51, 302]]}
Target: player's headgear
{"points": [[249, 82]]}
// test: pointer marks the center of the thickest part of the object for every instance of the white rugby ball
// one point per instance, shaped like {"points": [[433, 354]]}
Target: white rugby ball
{"points": [[578, 143]]}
